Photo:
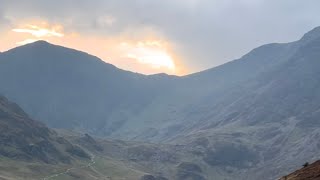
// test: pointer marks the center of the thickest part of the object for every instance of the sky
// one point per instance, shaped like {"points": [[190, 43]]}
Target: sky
{"points": [[158, 36]]}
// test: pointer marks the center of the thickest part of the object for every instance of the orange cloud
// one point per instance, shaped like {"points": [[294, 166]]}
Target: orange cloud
{"points": [[39, 32], [147, 54], [152, 53], [26, 41]]}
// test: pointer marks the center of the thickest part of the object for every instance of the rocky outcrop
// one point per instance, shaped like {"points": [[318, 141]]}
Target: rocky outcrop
{"points": [[189, 171], [151, 177], [308, 172]]}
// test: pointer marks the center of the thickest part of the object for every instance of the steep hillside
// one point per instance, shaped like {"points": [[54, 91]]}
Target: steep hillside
{"points": [[70, 89], [29, 150], [22, 138], [310, 172], [256, 116], [253, 118], [245, 91]]}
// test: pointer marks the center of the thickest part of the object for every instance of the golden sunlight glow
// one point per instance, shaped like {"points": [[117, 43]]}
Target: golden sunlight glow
{"points": [[39, 32], [147, 54], [151, 53], [27, 41]]}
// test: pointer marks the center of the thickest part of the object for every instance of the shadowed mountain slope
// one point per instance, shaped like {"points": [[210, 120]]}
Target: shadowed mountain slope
{"points": [[255, 112], [71, 89], [22, 138]]}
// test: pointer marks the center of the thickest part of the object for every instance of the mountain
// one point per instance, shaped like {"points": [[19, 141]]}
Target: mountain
{"points": [[70, 89], [269, 116], [251, 118], [244, 91], [310, 172], [22, 138], [30, 150]]}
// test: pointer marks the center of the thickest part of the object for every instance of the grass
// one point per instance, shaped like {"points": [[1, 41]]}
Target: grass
{"points": [[116, 169]]}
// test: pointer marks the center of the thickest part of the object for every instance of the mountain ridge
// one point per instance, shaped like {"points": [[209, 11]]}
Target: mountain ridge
{"points": [[57, 72], [258, 111]]}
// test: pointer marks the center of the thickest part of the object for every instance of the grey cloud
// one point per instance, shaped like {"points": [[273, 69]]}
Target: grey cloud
{"points": [[207, 32], [4, 21]]}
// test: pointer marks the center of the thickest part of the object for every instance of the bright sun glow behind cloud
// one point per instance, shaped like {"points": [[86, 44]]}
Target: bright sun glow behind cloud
{"points": [[148, 54], [152, 53], [26, 41], [38, 32]]}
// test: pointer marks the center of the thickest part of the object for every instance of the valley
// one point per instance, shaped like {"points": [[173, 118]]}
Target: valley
{"points": [[252, 118]]}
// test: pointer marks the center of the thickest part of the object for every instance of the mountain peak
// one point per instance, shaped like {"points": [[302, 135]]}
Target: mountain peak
{"points": [[313, 34], [38, 43], [34, 45]]}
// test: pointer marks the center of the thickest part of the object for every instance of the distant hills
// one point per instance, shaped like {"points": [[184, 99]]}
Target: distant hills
{"points": [[253, 117]]}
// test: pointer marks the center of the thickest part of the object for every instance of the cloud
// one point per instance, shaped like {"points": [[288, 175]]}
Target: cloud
{"points": [[149, 52], [204, 33], [39, 32], [26, 41], [4, 21]]}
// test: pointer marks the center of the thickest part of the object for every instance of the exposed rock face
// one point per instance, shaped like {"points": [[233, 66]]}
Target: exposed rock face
{"points": [[148, 177], [151, 154], [189, 171], [311, 172], [231, 155], [22, 138], [151, 177]]}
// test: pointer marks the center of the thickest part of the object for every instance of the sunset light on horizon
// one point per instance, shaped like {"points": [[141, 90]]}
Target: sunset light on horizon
{"points": [[159, 89], [149, 37], [147, 55]]}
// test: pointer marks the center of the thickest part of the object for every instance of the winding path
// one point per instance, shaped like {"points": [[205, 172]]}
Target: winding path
{"points": [[90, 164]]}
